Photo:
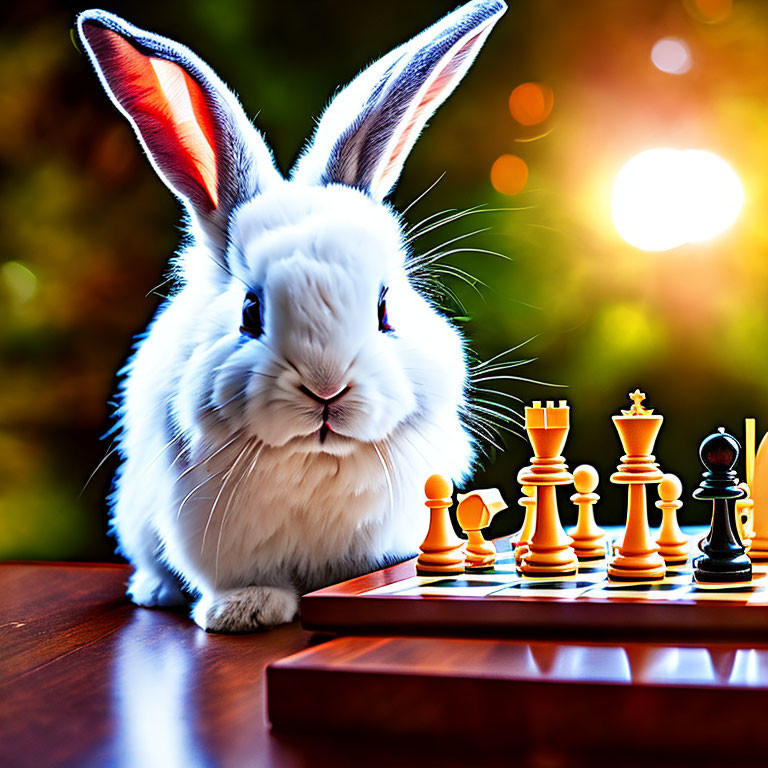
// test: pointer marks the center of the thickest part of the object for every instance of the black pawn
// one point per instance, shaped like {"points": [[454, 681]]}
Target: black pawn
{"points": [[724, 559]]}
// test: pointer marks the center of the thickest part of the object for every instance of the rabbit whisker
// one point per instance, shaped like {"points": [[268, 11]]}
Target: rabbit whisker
{"points": [[507, 408], [390, 452], [196, 488], [482, 434], [456, 239], [210, 456], [499, 421], [420, 229], [496, 392], [421, 223], [224, 482], [404, 435], [498, 427], [219, 406], [160, 453], [472, 282], [225, 268], [434, 289], [256, 452], [423, 194], [519, 378], [491, 431], [505, 352], [511, 415], [167, 280], [423, 228], [498, 367], [470, 212], [184, 449], [419, 263], [112, 449], [387, 477], [489, 422], [252, 466]]}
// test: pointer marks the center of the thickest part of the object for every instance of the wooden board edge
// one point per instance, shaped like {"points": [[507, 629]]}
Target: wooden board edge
{"points": [[359, 614], [333, 700]]}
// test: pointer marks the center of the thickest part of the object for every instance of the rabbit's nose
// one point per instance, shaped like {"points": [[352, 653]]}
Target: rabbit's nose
{"points": [[325, 398]]}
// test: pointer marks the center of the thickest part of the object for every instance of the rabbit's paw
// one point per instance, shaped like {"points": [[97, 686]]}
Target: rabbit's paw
{"points": [[154, 590], [246, 610]]}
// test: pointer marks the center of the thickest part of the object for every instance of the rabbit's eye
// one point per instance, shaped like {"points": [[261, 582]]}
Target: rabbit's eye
{"points": [[253, 316], [384, 325]]}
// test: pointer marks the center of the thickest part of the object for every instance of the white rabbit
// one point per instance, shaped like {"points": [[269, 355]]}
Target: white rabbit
{"points": [[280, 416]]}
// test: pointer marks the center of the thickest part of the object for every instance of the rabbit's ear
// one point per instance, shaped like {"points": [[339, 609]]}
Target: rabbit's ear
{"points": [[192, 127], [368, 130]]}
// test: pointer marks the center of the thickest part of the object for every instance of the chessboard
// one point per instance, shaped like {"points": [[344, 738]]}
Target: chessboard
{"points": [[501, 600], [433, 656], [553, 639]]}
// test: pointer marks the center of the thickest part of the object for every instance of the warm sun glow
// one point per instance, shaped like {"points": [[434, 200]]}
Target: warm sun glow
{"points": [[664, 198]]}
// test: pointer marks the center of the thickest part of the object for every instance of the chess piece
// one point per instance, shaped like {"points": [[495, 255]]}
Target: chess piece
{"points": [[743, 514], [442, 550], [724, 559], [523, 538], [588, 537], [638, 557], [745, 507], [673, 543], [475, 512], [758, 550], [550, 552]]}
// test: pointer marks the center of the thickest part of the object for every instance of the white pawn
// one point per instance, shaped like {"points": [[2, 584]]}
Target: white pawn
{"points": [[673, 543], [588, 537], [525, 534]]}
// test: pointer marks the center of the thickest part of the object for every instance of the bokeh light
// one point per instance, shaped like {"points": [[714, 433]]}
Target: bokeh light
{"points": [[664, 198], [710, 11], [509, 174], [671, 55], [19, 280], [531, 103]]}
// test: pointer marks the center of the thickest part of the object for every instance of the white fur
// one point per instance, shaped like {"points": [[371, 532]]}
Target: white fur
{"points": [[301, 511], [226, 487]]}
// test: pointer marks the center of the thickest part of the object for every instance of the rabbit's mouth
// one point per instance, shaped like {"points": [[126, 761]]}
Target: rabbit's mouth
{"points": [[329, 438], [324, 440]]}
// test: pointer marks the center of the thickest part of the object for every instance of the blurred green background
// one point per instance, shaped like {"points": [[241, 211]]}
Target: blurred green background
{"points": [[87, 228]]}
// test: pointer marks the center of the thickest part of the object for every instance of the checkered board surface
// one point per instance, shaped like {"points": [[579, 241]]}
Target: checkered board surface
{"points": [[504, 580]]}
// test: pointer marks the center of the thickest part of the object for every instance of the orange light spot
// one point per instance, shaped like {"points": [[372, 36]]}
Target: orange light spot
{"points": [[531, 103], [713, 11], [509, 174]]}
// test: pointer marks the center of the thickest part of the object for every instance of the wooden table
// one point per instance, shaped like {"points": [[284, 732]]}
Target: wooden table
{"points": [[86, 679]]}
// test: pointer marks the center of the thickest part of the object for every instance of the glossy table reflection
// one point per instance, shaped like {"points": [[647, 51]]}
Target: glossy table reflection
{"points": [[86, 679], [668, 703], [640, 664]]}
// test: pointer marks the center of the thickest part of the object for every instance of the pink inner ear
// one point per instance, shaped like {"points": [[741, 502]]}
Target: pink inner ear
{"points": [[169, 109], [439, 84]]}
